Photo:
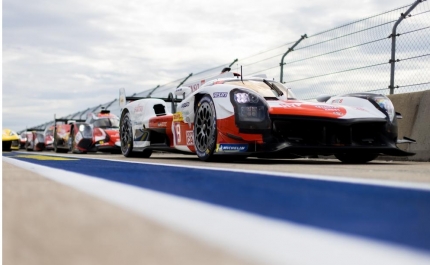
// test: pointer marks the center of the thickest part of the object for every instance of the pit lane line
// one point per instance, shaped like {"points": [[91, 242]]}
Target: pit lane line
{"points": [[205, 218]]}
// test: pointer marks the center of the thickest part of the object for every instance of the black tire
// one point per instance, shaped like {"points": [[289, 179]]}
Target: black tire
{"points": [[205, 129], [27, 147], [6, 146], [59, 150], [356, 158], [146, 153], [126, 135], [72, 143], [56, 150]]}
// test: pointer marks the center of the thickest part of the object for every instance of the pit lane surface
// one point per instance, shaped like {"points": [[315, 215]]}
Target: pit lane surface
{"points": [[396, 212]]}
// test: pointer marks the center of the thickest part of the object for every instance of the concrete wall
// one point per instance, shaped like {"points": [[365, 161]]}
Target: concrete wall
{"points": [[415, 109]]}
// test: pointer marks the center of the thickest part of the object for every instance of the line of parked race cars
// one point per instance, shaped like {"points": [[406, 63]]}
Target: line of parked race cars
{"points": [[231, 117], [98, 133]]}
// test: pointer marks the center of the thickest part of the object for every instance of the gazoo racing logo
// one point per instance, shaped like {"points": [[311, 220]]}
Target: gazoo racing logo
{"points": [[223, 148], [220, 94]]}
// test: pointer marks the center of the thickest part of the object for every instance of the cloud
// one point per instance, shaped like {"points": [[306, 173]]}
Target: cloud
{"points": [[65, 56]]}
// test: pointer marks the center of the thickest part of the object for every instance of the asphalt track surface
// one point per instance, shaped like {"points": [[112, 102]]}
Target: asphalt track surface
{"points": [[383, 201]]}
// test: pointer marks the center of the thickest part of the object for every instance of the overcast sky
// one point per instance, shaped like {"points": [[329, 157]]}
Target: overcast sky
{"points": [[61, 57]]}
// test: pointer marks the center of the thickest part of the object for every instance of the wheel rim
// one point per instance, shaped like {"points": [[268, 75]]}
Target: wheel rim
{"points": [[204, 127], [126, 135], [70, 142]]}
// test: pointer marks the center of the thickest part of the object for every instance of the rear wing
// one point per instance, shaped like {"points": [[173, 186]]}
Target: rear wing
{"points": [[34, 129], [124, 100], [63, 121], [67, 121]]}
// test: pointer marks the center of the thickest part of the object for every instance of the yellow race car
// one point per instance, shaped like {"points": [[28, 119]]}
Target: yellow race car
{"points": [[10, 140]]}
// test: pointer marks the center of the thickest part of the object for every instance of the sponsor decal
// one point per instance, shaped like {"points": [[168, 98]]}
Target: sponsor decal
{"points": [[138, 108], [162, 124], [220, 94], [190, 137], [224, 148], [186, 104], [327, 107], [290, 105], [194, 87], [178, 116], [338, 101], [359, 108]]}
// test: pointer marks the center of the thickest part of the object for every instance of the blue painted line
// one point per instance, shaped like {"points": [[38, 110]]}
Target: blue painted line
{"points": [[396, 215]]}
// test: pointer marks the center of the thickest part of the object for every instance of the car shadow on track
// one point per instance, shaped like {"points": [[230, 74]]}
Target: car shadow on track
{"points": [[273, 161]]}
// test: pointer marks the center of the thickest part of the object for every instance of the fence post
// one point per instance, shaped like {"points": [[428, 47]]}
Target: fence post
{"points": [[235, 60], [393, 44], [183, 81], [285, 54], [150, 93]]}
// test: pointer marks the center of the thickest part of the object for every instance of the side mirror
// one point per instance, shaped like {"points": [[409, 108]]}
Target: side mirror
{"points": [[323, 98], [183, 91]]}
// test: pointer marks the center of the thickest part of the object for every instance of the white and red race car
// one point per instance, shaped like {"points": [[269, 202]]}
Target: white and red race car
{"points": [[231, 117], [98, 133]]}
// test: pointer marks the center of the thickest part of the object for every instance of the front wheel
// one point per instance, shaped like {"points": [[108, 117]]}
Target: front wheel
{"points": [[126, 135], [27, 147], [356, 158], [205, 129], [7, 146]]}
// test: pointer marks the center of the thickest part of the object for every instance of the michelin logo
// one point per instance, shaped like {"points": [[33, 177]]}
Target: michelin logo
{"points": [[232, 148]]}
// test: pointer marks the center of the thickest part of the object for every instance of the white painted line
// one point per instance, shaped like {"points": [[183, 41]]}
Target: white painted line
{"points": [[259, 239]]}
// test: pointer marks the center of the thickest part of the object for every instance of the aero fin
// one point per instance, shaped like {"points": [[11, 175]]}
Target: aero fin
{"points": [[122, 100]]}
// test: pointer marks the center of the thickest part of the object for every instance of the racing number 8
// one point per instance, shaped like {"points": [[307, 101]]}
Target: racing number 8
{"points": [[178, 132]]}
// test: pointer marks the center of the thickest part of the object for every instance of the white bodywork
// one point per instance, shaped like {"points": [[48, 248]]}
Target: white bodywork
{"points": [[141, 111]]}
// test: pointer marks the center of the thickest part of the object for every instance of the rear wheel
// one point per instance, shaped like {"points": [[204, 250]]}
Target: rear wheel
{"points": [[145, 153], [205, 129], [356, 158]]}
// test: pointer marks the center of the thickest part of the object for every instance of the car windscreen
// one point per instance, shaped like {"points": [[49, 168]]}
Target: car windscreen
{"points": [[106, 123], [265, 88]]}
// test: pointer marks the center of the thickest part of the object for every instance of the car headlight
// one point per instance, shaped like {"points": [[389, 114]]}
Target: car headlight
{"points": [[251, 110], [244, 97], [386, 105]]}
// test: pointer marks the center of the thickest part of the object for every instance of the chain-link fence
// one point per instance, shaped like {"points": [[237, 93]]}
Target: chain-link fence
{"points": [[355, 57]]}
